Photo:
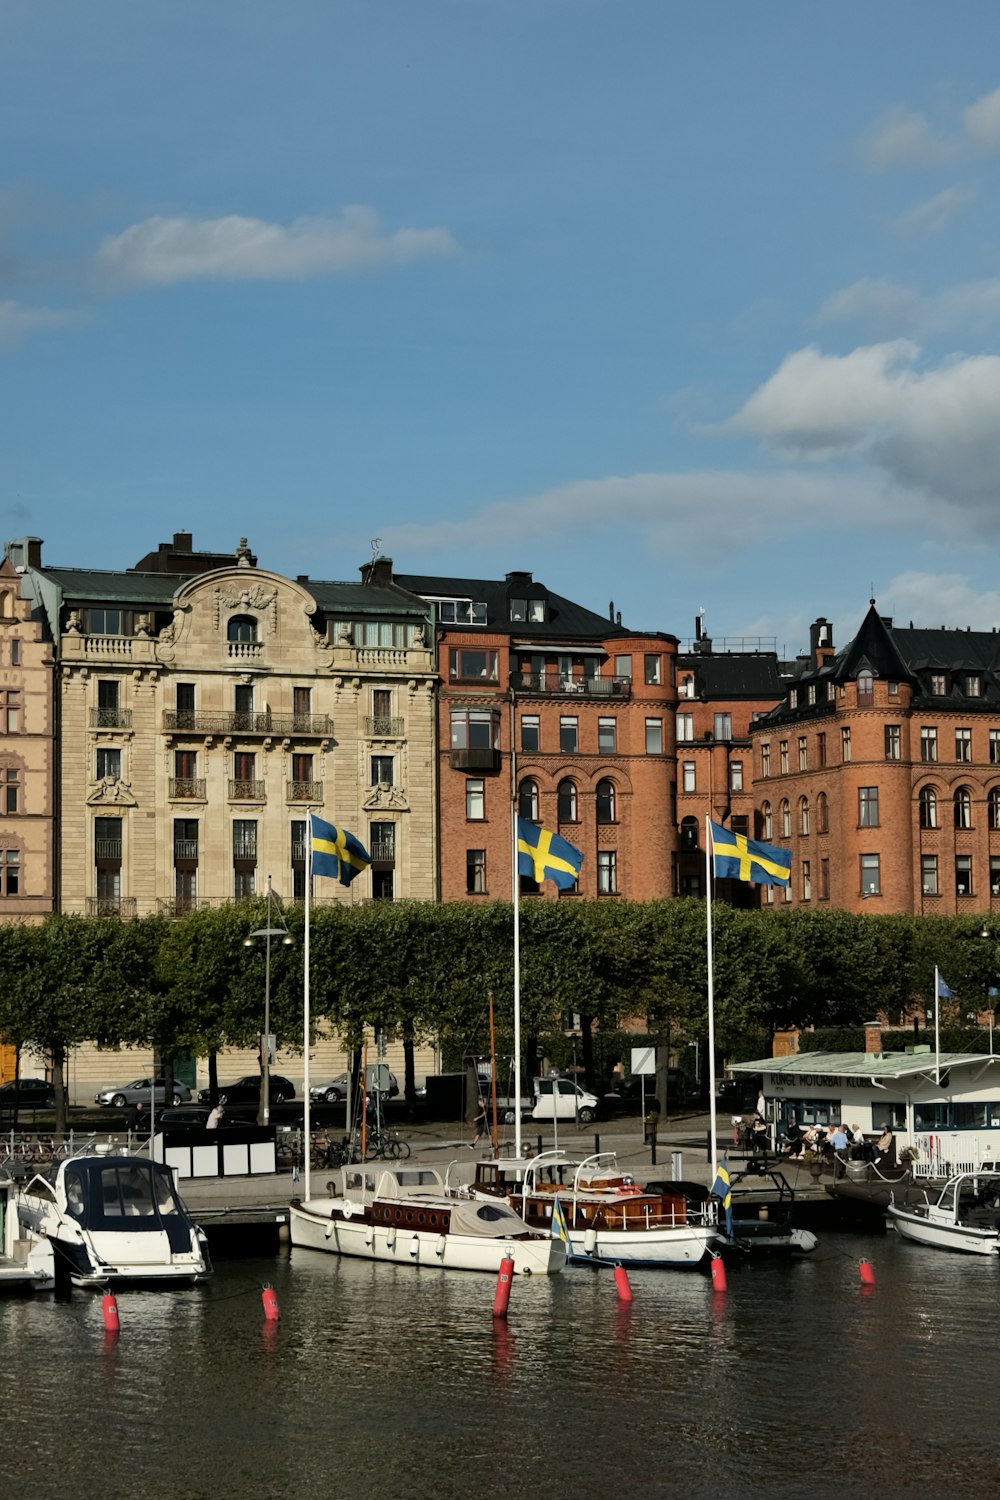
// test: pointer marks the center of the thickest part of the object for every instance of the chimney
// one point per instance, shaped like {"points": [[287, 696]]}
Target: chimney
{"points": [[873, 1036], [183, 541], [820, 641], [26, 552], [378, 572]]}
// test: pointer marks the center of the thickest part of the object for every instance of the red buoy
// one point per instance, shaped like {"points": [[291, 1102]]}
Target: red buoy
{"points": [[718, 1274], [109, 1307], [867, 1272], [269, 1297], [501, 1297], [622, 1283]]}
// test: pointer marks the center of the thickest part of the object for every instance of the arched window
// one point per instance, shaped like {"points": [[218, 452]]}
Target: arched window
{"points": [[786, 818], [527, 800], [241, 628], [928, 807], [566, 799], [689, 833], [606, 800], [822, 814], [803, 814], [766, 821], [866, 682], [963, 807], [994, 807]]}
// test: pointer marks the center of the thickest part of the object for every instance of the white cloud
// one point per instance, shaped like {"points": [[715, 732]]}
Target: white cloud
{"points": [[982, 121], [902, 138], [162, 251], [887, 309], [933, 431], [18, 321], [934, 214], [935, 599]]}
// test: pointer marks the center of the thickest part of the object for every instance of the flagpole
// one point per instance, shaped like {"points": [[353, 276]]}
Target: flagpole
{"points": [[516, 898], [307, 1101], [711, 990], [937, 1025]]}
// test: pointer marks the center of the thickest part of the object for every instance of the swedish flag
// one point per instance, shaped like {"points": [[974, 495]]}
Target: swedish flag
{"points": [[721, 1189], [560, 1229], [335, 851], [545, 856], [735, 857]]}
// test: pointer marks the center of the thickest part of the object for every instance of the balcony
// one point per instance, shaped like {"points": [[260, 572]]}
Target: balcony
{"points": [[245, 650], [185, 849], [475, 760], [187, 788], [298, 852], [181, 906], [111, 718], [111, 906], [550, 685], [246, 791], [382, 727], [245, 851], [190, 721], [382, 851], [108, 849], [303, 791]]}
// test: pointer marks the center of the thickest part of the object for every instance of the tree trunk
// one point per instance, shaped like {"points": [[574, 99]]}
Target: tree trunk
{"points": [[59, 1084]]}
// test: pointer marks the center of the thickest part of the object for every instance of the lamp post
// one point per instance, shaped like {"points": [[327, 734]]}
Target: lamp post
{"points": [[267, 933]]}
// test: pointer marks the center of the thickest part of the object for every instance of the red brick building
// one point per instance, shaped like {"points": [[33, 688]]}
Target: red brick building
{"points": [[880, 770], [569, 712]]}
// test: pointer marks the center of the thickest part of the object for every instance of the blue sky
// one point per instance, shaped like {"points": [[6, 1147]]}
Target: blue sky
{"points": [[681, 305]]}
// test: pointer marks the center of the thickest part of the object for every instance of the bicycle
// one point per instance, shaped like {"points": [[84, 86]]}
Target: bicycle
{"points": [[342, 1153], [387, 1145]]}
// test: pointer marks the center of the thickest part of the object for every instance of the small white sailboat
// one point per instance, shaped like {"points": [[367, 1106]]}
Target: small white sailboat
{"points": [[965, 1216]]}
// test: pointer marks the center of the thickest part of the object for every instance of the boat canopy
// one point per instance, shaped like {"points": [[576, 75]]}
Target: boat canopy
{"points": [[119, 1192]]}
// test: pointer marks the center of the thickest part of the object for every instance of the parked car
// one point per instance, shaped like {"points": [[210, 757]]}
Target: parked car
{"points": [[140, 1091], [184, 1117], [679, 1086], [27, 1093], [739, 1095], [332, 1092], [246, 1090]]}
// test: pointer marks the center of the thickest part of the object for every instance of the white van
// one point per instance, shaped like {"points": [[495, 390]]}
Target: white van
{"points": [[561, 1098]]}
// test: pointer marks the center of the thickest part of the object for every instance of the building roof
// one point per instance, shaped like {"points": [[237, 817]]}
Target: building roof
{"points": [[875, 1065], [564, 620], [751, 674]]}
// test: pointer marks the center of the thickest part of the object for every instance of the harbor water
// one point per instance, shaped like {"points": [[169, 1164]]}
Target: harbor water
{"points": [[798, 1380]]}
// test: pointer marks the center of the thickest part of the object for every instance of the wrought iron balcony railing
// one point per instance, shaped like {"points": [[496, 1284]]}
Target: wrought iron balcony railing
{"points": [[551, 685], [111, 718], [194, 721], [246, 791], [303, 791], [383, 727], [187, 788], [111, 906]]}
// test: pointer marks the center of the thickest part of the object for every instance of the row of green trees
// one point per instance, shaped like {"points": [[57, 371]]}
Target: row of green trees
{"points": [[426, 970]]}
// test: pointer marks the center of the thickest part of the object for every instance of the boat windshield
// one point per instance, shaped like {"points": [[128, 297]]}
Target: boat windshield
{"points": [[106, 1194]]}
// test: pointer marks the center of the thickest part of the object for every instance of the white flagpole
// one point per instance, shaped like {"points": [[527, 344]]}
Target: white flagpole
{"points": [[937, 1025], [516, 898], [307, 1101], [711, 993]]}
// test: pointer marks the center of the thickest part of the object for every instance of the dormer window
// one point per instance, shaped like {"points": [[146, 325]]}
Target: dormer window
{"points": [[459, 612], [793, 697], [241, 628], [811, 693], [972, 686], [531, 611], [939, 685]]}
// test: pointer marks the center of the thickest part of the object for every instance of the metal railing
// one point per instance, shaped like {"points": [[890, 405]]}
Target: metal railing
{"points": [[108, 849], [111, 906], [195, 722], [554, 686], [303, 791], [111, 718], [382, 851], [185, 849], [187, 788], [384, 727], [246, 791]]}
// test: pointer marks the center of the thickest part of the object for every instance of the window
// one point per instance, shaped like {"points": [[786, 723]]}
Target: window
{"points": [[995, 875], [185, 888], [806, 881], [845, 743], [460, 612], [893, 747], [963, 745], [244, 841], [467, 664], [107, 841], [871, 884], [824, 880], [475, 799], [929, 874], [689, 834], [928, 742], [607, 872], [109, 763], [474, 729], [527, 801], [995, 747], [722, 726], [972, 688], [963, 874], [569, 734], [687, 776], [382, 770], [736, 776], [651, 667], [242, 628], [607, 736], [184, 700], [15, 653], [685, 726], [530, 736], [654, 736], [822, 814], [10, 872], [382, 843], [804, 815], [963, 807], [783, 758], [993, 808], [867, 806], [928, 807], [527, 609], [382, 634], [10, 786], [606, 809], [786, 818], [811, 693], [475, 871], [185, 839], [765, 760], [566, 801], [623, 667], [821, 748], [767, 822], [793, 698], [108, 716], [109, 622]]}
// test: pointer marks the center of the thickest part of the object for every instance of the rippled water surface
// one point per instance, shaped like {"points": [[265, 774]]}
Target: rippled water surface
{"points": [[798, 1381]]}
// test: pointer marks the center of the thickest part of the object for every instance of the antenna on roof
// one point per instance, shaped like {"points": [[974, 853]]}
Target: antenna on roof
{"points": [[376, 546]]}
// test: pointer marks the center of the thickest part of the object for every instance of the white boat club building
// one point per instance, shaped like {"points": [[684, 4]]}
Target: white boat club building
{"points": [[945, 1104]]}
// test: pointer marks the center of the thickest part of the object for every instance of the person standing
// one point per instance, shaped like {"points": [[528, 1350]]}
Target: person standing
{"points": [[761, 1105], [215, 1118]]}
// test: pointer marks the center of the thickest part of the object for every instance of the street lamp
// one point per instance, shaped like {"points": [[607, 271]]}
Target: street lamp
{"points": [[267, 933]]}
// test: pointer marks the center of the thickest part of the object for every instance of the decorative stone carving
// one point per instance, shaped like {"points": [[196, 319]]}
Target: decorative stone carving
{"points": [[384, 795], [113, 790]]}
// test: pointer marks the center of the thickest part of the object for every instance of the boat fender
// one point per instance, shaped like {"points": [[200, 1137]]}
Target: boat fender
{"points": [[390, 1238], [347, 1210], [590, 1241], [369, 1236], [328, 1231], [439, 1248]]}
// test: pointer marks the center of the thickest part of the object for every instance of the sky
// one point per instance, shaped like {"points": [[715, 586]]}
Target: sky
{"points": [[686, 307]]}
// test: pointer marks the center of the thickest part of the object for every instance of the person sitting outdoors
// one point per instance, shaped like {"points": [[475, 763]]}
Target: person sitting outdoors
{"points": [[840, 1140], [794, 1140], [759, 1136], [884, 1146]]}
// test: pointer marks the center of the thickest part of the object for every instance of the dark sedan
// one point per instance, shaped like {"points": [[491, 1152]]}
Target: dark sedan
{"points": [[27, 1093], [247, 1090]]}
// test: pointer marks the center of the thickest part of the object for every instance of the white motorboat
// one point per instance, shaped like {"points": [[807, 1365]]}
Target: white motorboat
{"points": [[608, 1216], [965, 1216], [405, 1215], [26, 1262], [114, 1219]]}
